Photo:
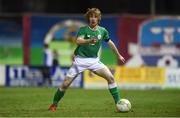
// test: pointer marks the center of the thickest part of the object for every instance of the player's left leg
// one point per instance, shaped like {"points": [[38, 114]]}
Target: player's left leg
{"points": [[106, 74]]}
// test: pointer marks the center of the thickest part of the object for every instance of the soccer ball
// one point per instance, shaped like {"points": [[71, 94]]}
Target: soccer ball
{"points": [[123, 105]]}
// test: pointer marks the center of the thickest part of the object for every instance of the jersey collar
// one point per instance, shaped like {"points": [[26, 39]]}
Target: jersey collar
{"points": [[93, 29]]}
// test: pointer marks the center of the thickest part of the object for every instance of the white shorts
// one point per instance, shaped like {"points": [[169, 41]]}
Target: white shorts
{"points": [[81, 64]]}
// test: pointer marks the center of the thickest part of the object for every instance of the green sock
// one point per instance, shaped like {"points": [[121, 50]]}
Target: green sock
{"points": [[114, 92], [57, 97]]}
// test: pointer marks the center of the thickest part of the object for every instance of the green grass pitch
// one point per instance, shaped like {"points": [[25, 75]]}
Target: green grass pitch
{"points": [[33, 102]]}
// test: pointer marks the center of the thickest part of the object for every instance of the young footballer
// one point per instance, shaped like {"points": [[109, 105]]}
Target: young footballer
{"points": [[89, 39]]}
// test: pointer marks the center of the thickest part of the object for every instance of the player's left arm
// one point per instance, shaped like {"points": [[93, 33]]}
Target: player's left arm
{"points": [[115, 50]]}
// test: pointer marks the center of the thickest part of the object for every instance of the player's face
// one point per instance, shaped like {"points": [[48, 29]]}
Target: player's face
{"points": [[93, 20]]}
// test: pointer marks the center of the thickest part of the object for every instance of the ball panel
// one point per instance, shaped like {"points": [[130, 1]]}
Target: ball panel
{"points": [[123, 105]]}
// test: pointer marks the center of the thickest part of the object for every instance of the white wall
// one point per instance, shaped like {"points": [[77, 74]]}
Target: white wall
{"points": [[2, 75], [172, 78]]}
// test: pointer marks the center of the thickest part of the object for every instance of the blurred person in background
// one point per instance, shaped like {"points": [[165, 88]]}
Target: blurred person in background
{"points": [[55, 58], [89, 40], [48, 63]]}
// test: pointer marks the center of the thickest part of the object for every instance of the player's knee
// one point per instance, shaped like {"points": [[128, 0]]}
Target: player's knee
{"points": [[65, 85], [110, 80]]}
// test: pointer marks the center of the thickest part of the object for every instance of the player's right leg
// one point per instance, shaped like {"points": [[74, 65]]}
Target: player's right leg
{"points": [[70, 76], [60, 93]]}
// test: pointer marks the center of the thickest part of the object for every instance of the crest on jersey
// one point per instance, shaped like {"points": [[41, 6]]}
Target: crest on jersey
{"points": [[99, 36]]}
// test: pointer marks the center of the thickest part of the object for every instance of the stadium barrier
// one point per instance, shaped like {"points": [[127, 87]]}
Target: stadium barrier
{"points": [[136, 78], [2, 75], [126, 77], [172, 78], [32, 76]]}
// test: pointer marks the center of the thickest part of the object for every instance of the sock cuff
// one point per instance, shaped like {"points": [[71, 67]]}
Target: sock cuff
{"points": [[113, 85], [59, 89]]}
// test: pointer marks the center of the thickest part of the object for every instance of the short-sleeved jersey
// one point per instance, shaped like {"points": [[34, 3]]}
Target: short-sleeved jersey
{"points": [[91, 50]]}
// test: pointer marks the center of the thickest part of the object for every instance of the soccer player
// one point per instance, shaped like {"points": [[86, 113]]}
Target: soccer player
{"points": [[89, 39]]}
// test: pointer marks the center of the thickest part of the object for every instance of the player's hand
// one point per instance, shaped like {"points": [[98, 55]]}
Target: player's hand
{"points": [[122, 59], [93, 41]]}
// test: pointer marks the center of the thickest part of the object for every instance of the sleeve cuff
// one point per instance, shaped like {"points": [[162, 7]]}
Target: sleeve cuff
{"points": [[106, 40]]}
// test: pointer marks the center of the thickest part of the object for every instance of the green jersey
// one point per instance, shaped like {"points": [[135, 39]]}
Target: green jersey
{"points": [[91, 50]]}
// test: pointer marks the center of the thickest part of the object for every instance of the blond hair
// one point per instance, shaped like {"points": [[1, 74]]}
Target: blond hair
{"points": [[93, 11]]}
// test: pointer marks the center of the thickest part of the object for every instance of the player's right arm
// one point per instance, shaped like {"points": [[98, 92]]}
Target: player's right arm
{"points": [[81, 41]]}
